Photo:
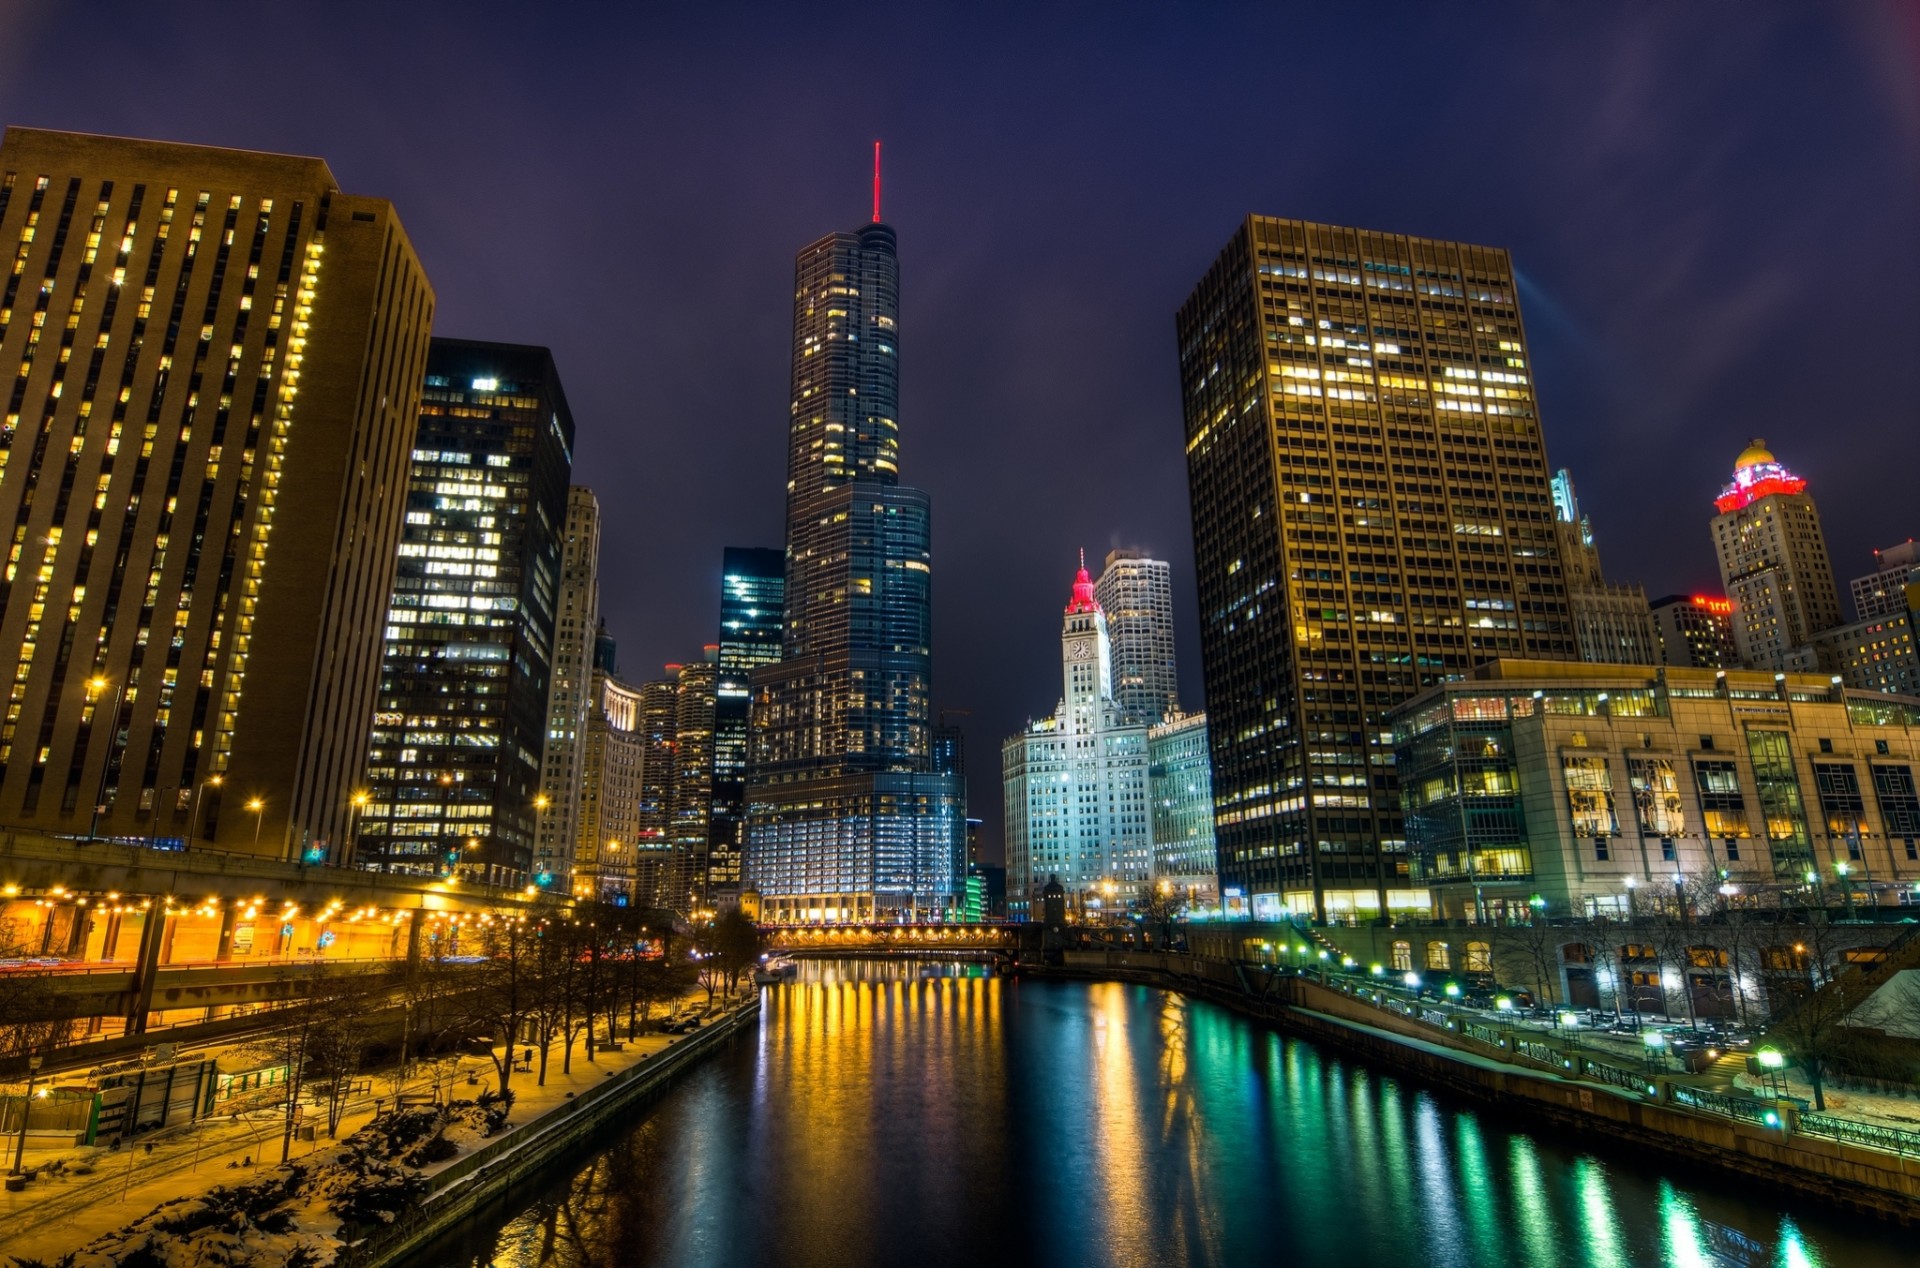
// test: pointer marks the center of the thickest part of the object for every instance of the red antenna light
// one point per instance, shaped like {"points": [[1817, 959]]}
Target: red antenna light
{"points": [[876, 182]]}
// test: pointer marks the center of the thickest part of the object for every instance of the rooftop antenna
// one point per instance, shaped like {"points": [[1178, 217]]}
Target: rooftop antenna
{"points": [[876, 182]]}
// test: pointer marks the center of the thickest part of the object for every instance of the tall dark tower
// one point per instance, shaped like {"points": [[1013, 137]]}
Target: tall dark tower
{"points": [[846, 819], [753, 586]]}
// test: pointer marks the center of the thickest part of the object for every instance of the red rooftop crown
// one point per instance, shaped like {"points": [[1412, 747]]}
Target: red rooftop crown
{"points": [[1083, 600], [1757, 474]]}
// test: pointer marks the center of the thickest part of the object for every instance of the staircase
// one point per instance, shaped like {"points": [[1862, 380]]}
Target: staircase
{"points": [[1852, 986]]}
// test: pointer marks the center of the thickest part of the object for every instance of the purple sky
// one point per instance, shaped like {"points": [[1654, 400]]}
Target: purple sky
{"points": [[1716, 212]]}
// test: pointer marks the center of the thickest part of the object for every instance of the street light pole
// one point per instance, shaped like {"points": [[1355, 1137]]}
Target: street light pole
{"points": [[94, 685], [355, 805], [193, 818], [259, 808], [26, 1107]]}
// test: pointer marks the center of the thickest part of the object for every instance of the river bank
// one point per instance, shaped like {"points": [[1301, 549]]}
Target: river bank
{"points": [[1437, 1046]]}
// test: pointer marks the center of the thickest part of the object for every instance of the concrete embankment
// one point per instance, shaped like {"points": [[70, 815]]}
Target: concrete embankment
{"points": [[1511, 1074], [489, 1175]]}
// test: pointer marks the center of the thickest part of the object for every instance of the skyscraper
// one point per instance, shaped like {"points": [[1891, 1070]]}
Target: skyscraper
{"points": [[659, 713], [753, 586], [1371, 514], [1136, 593], [460, 725], [1883, 592], [1612, 622], [1075, 783], [1180, 783], [612, 756], [691, 801], [214, 361], [1773, 560], [571, 697], [845, 819]]}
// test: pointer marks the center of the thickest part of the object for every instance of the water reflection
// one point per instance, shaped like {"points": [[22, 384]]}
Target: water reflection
{"points": [[889, 1114]]}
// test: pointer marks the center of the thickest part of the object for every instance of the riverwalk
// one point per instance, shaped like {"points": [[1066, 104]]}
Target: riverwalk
{"points": [[67, 1209]]}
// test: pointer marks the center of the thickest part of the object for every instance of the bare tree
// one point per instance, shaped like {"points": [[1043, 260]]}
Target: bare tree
{"points": [[327, 1003], [1537, 945], [1814, 992], [500, 1003]]}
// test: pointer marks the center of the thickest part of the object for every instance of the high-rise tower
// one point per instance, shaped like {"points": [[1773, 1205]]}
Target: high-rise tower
{"points": [[1371, 515], [213, 364], [1773, 559], [459, 729], [571, 698], [1136, 593], [1612, 622], [846, 821], [753, 587]]}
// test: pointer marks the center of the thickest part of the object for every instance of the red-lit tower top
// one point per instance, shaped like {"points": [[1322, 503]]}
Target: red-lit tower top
{"points": [[1757, 475], [1083, 600]]}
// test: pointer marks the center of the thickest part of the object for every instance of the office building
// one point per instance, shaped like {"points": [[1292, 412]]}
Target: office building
{"points": [[846, 820], [1136, 593], [691, 800], [753, 587], [1612, 622], [1077, 809], [1695, 631], [570, 699], [459, 726], [1598, 788], [1180, 784], [1371, 514], [1878, 653], [213, 363], [607, 850], [1883, 592], [1774, 563]]}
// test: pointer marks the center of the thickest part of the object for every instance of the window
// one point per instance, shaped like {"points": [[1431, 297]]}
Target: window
{"points": [[1589, 796], [1656, 794], [1826, 745], [1439, 956], [1402, 957], [1899, 804], [1666, 849], [1600, 849], [1479, 958], [1721, 802], [1706, 743], [1781, 803]]}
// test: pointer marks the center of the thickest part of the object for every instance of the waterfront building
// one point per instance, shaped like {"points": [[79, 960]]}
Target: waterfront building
{"points": [[571, 698], [1883, 592], [659, 711], [1695, 631], [1180, 784], [1612, 622], [1136, 594], [1774, 563], [846, 819], [459, 725], [1877, 653], [691, 801], [753, 585], [1582, 784], [612, 757], [1371, 514], [1077, 808], [213, 376]]}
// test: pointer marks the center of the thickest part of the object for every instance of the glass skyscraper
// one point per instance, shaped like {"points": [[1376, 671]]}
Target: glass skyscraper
{"points": [[753, 587], [454, 766], [846, 818], [1371, 515]]}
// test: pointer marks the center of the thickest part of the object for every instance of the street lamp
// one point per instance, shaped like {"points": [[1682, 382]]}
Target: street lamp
{"points": [[1772, 1062], [193, 818], [1656, 1049], [26, 1107], [1846, 884], [1632, 883], [259, 808], [355, 804], [96, 685]]}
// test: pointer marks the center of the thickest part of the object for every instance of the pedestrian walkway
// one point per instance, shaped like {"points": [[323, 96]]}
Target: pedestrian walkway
{"points": [[55, 1214]]}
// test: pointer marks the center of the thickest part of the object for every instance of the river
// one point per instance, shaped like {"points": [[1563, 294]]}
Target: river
{"points": [[924, 1116]]}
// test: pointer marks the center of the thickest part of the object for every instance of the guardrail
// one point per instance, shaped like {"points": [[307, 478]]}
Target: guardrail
{"points": [[1850, 1132], [1741, 1107]]}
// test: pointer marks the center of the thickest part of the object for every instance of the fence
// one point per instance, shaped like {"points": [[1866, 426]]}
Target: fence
{"points": [[1855, 1133], [1744, 1108]]}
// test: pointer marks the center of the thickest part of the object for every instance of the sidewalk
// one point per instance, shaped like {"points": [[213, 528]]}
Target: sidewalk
{"points": [[57, 1214]]}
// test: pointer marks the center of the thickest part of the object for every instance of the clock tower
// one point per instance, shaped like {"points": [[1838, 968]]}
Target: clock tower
{"points": [[1086, 658]]}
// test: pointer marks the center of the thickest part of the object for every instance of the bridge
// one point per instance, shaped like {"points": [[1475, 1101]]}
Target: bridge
{"points": [[895, 941]]}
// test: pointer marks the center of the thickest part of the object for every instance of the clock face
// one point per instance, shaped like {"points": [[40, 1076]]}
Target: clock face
{"points": [[1081, 651]]}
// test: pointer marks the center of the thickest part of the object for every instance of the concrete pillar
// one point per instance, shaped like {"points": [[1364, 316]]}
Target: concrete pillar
{"points": [[146, 965], [223, 949], [413, 939]]}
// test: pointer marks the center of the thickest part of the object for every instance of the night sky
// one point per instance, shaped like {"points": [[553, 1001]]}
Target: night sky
{"points": [[1715, 212]]}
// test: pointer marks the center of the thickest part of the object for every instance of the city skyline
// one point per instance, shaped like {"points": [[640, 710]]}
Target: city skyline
{"points": [[723, 204]]}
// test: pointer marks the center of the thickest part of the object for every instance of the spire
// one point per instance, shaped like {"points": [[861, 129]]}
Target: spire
{"points": [[876, 182], [1083, 600]]}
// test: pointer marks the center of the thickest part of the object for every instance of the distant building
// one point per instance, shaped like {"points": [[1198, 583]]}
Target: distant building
{"points": [[692, 796], [1611, 621], [1598, 788], [608, 854], [753, 585], [1695, 631], [213, 384], [1076, 783], [986, 892], [1181, 787], [1371, 516], [1878, 653], [1883, 592], [570, 698], [1774, 563], [659, 717], [459, 728], [1136, 593]]}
